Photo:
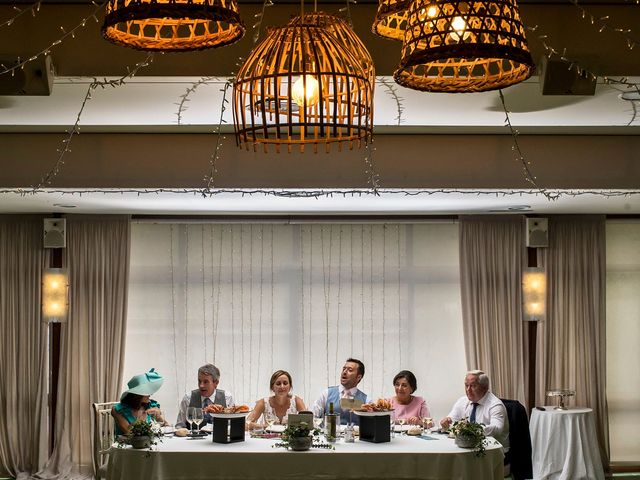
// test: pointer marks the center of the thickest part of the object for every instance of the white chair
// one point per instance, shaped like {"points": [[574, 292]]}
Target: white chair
{"points": [[103, 437]]}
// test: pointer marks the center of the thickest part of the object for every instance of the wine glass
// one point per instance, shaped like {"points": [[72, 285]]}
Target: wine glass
{"points": [[270, 419], [191, 412], [427, 423], [401, 422], [392, 421], [317, 421], [197, 418]]}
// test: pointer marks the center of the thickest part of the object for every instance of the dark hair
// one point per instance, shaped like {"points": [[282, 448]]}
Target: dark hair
{"points": [[132, 400], [279, 373], [409, 377], [360, 364]]}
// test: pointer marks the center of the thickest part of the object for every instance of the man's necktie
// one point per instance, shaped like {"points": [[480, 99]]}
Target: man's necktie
{"points": [[472, 417], [206, 403]]}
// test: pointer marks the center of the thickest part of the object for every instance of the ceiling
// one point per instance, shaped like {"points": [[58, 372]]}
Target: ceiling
{"points": [[149, 103]]}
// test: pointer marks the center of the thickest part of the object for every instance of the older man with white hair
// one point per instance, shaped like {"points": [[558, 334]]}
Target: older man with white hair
{"points": [[479, 405]]}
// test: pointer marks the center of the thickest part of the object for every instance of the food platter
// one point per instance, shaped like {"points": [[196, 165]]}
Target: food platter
{"points": [[372, 414], [229, 415]]}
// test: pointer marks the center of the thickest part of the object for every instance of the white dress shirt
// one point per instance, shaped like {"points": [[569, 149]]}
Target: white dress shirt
{"points": [[181, 421], [490, 411], [318, 406]]}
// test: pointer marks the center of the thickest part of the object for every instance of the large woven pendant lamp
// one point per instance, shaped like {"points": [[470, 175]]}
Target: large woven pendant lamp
{"points": [[472, 46], [391, 19], [345, 35], [301, 87], [172, 25]]}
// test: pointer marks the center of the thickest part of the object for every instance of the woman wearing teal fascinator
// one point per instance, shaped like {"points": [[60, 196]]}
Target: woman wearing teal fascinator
{"points": [[135, 403]]}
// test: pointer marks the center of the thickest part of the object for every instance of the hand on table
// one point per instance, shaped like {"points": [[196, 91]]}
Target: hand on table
{"points": [[446, 422]]}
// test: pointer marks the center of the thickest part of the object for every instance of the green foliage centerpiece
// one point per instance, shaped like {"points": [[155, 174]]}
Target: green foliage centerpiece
{"points": [[141, 435], [301, 437], [470, 435]]}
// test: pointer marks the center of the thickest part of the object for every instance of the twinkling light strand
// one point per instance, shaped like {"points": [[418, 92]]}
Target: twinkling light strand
{"points": [[373, 179], [392, 91], [34, 9], [526, 165], [556, 193], [66, 34], [259, 19], [347, 9], [215, 156], [184, 98], [602, 23], [48, 178]]}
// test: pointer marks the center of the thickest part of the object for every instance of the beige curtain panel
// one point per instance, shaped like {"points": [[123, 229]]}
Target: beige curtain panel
{"points": [[23, 347], [491, 260], [92, 345], [571, 342]]}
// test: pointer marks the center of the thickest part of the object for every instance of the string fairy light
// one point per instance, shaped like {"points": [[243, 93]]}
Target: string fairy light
{"points": [[215, 155], [326, 193], [526, 164], [602, 24], [48, 178], [34, 9], [392, 91], [65, 35]]}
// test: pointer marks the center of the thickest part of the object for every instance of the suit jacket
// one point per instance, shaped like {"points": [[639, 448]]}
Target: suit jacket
{"points": [[519, 454]]}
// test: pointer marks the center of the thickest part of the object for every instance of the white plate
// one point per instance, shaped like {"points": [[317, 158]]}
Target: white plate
{"points": [[276, 428], [373, 414], [207, 428], [230, 415], [169, 429]]}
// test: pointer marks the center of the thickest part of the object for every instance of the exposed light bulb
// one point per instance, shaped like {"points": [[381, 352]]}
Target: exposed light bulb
{"points": [[459, 26], [305, 87], [432, 11]]}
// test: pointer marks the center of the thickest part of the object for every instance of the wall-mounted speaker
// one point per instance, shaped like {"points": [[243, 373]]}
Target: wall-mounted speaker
{"points": [[537, 232], [556, 78], [55, 233], [32, 78]]}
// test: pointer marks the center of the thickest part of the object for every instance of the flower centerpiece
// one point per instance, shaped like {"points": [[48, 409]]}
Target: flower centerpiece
{"points": [[469, 435], [301, 437], [141, 435]]}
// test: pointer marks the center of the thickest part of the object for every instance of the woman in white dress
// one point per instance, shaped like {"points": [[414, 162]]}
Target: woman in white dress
{"points": [[280, 404]]}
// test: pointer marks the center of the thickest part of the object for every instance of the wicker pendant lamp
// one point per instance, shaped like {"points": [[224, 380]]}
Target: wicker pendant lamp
{"points": [[472, 46], [301, 87], [172, 25], [345, 35], [391, 19]]}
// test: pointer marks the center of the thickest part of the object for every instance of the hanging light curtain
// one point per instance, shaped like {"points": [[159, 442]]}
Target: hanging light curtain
{"points": [[391, 19], [300, 86], [457, 47], [172, 25]]}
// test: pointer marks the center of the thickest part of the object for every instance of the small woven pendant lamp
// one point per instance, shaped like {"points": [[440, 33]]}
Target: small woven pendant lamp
{"points": [[391, 19], [457, 47], [172, 25], [301, 87]]}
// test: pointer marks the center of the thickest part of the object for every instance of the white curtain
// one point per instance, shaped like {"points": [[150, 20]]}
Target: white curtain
{"points": [[491, 261], [253, 298], [92, 350], [623, 338], [23, 347]]}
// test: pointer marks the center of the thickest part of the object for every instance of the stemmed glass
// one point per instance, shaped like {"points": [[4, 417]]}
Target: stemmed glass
{"points": [[191, 413], [317, 421], [197, 418], [392, 421], [401, 422], [270, 418], [427, 422]]}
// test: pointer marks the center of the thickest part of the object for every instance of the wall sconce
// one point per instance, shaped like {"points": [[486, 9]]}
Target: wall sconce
{"points": [[534, 294], [55, 300]]}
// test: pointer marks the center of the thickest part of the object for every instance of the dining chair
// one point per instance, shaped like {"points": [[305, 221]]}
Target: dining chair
{"points": [[518, 460], [103, 437]]}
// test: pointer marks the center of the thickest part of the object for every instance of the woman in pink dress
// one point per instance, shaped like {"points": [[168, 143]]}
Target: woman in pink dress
{"points": [[406, 405]]}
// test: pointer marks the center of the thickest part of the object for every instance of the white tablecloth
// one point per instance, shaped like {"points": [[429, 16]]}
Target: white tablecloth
{"points": [[565, 446], [403, 458]]}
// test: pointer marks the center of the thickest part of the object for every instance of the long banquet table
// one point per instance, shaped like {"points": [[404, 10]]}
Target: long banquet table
{"points": [[434, 457]]}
